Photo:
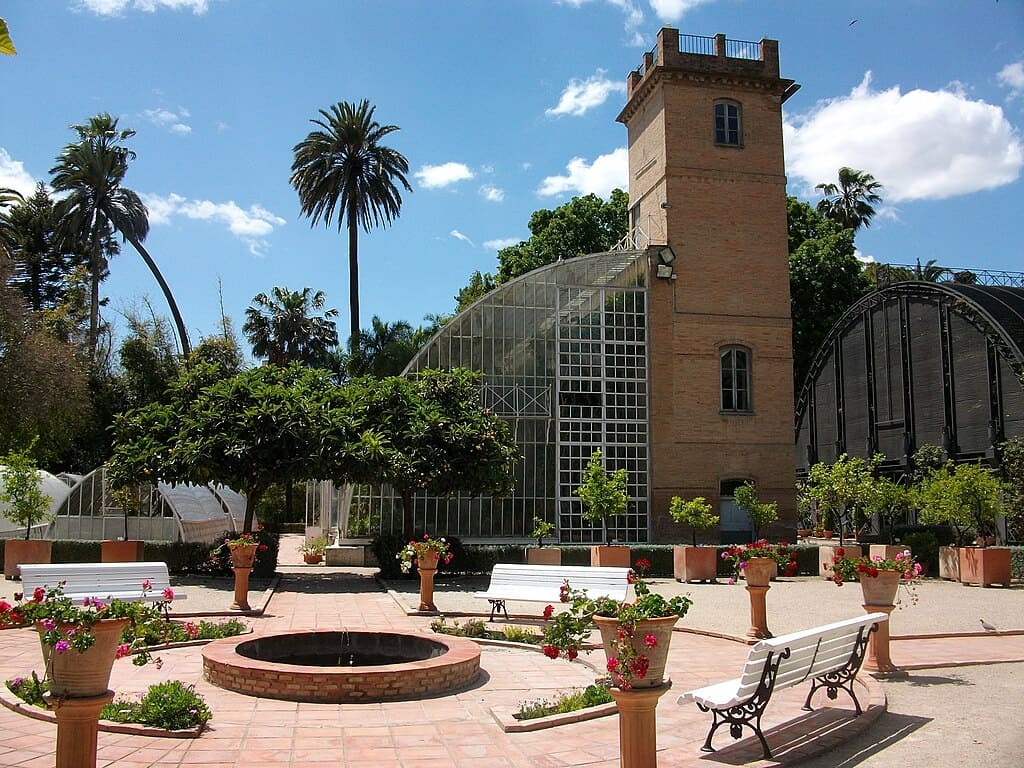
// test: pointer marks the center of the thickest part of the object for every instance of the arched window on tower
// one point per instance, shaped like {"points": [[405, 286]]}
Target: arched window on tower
{"points": [[735, 368], [728, 123]]}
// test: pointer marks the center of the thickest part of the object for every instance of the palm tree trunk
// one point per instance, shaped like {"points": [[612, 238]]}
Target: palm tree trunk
{"points": [[186, 347], [353, 276], [96, 268]]}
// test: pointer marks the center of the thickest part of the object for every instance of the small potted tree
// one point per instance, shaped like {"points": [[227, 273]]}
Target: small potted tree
{"points": [[312, 551], [604, 495], [693, 563], [124, 550], [761, 513], [26, 505], [839, 490], [541, 555], [892, 502]]}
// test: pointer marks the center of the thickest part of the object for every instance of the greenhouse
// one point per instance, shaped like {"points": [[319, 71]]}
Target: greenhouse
{"points": [[564, 357]]}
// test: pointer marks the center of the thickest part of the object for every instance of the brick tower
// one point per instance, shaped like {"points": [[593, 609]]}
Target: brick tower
{"points": [[707, 180]]}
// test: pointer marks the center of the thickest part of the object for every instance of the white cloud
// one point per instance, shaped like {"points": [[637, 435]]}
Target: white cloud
{"points": [[582, 95], [117, 7], [172, 121], [459, 236], [14, 176], [497, 245], [1012, 76], [437, 176], [634, 16], [605, 174], [492, 194], [920, 144], [671, 11], [250, 225]]}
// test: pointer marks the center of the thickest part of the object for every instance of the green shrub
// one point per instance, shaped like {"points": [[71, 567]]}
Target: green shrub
{"points": [[1017, 562], [29, 689], [171, 705], [925, 548], [591, 696], [519, 635]]}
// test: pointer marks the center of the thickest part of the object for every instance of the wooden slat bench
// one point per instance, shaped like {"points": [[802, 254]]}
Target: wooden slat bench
{"points": [[101, 580], [829, 656], [543, 583]]}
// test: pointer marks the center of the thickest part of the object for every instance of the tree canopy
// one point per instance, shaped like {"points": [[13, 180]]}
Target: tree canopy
{"points": [[851, 201], [284, 328]]}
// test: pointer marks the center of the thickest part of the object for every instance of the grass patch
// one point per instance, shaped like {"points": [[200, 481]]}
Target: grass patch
{"points": [[591, 696], [476, 628]]}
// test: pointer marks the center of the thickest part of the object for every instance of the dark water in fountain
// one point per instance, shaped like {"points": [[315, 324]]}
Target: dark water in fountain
{"points": [[344, 659], [341, 649]]}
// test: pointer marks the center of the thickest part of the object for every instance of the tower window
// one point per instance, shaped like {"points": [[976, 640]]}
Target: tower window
{"points": [[728, 123], [735, 365]]}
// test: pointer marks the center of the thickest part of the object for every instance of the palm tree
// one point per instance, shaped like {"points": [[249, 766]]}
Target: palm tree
{"points": [[342, 172], [851, 202], [283, 329], [91, 171], [383, 350]]}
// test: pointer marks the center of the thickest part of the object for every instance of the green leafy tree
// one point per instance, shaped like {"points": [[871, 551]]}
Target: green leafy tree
{"points": [[603, 493], [147, 359], [480, 284], [842, 490], [696, 514], [20, 491], [584, 225], [90, 173], [1011, 471], [964, 496], [342, 172], [851, 202], [283, 327], [761, 513], [892, 502], [382, 350], [825, 279]]}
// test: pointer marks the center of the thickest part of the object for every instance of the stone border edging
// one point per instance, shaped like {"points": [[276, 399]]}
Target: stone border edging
{"points": [[510, 724]]}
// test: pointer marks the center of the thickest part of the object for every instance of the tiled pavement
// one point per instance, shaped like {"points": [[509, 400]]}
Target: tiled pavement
{"points": [[455, 731]]}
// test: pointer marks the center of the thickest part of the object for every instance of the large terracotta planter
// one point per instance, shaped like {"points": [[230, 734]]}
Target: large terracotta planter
{"points": [[86, 674], [949, 563], [985, 565], [543, 556], [759, 571], [658, 655], [426, 564], [17, 551], [827, 554], [243, 557], [130, 551], [694, 563], [886, 551], [610, 556], [880, 589]]}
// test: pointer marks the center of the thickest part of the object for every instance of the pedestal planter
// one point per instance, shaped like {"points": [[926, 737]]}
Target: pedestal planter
{"points": [[694, 563], [758, 573], [827, 554], [886, 551], [17, 551], [130, 551], [638, 726], [77, 728], [543, 556], [86, 674], [658, 655], [242, 559], [984, 565], [614, 556], [880, 597], [427, 566], [949, 563]]}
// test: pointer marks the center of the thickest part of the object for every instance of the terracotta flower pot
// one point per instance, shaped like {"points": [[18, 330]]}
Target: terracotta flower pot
{"points": [[880, 589], [543, 556], [759, 570], [426, 564], [985, 565], [949, 563], [17, 551], [694, 563], [243, 557], [86, 674], [312, 559], [130, 551], [613, 556], [658, 655]]}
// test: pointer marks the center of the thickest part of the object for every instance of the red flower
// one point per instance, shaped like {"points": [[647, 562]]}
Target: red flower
{"points": [[548, 611], [631, 577], [861, 567], [642, 564], [638, 666], [563, 593], [550, 651], [571, 654], [840, 552], [261, 548], [651, 641], [612, 665], [38, 594], [873, 572]]}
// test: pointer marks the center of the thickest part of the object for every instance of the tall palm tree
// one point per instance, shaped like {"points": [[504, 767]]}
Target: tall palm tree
{"points": [[342, 172], [283, 329], [850, 203], [91, 171]]}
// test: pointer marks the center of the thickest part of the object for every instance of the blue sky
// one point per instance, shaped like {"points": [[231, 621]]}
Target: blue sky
{"points": [[504, 108]]}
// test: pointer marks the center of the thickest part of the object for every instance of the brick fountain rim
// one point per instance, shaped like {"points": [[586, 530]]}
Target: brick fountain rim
{"points": [[455, 668]]}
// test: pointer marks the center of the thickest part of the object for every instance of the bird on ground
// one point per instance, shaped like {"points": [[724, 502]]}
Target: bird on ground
{"points": [[987, 627]]}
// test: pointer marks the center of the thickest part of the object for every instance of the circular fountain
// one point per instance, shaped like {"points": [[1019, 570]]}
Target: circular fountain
{"points": [[342, 666]]}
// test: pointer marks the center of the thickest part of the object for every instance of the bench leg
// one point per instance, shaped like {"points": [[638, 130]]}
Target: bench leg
{"points": [[737, 717], [497, 605], [843, 678]]}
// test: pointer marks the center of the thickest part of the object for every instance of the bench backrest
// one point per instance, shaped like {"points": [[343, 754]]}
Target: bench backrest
{"points": [[596, 581], [96, 579], [812, 652]]}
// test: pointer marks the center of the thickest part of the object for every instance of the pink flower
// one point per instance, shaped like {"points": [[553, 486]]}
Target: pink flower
{"points": [[193, 630], [146, 585], [159, 663], [49, 624], [732, 581], [122, 650], [168, 594], [62, 646], [651, 641], [4, 606]]}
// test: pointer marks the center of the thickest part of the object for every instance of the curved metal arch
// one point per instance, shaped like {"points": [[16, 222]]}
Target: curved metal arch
{"points": [[998, 306]]}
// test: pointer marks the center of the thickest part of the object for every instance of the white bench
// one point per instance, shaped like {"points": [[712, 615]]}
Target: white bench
{"points": [[543, 583], [829, 656], [104, 581]]}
